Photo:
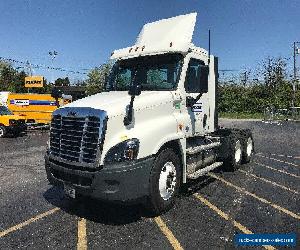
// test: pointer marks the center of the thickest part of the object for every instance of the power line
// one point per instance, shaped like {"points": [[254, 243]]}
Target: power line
{"points": [[38, 66]]}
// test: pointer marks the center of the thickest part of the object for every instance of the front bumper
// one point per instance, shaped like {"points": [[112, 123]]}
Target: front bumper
{"points": [[120, 182], [16, 128]]}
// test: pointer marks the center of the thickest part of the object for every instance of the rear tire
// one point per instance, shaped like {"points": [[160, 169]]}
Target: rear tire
{"points": [[234, 159], [164, 181], [248, 146], [2, 131]]}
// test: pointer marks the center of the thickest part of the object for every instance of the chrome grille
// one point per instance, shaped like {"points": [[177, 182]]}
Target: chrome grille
{"points": [[75, 139]]}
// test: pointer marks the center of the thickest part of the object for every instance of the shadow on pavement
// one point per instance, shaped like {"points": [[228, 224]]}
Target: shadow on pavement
{"points": [[95, 210], [15, 135], [193, 186], [111, 213]]}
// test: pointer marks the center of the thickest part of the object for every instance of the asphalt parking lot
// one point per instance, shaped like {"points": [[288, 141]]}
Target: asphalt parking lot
{"points": [[261, 197]]}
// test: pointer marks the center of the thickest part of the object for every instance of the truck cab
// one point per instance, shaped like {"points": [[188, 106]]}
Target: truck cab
{"points": [[154, 128], [10, 123]]}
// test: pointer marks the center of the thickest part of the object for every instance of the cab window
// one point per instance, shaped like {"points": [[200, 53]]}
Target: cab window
{"points": [[153, 73], [196, 79]]}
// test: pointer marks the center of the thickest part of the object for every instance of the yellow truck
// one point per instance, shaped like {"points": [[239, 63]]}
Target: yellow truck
{"points": [[35, 108], [10, 123]]}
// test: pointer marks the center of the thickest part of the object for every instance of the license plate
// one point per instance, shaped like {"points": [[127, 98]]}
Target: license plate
{"points": [[69, 191]]}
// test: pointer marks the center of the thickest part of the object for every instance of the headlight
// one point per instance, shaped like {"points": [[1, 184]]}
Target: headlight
{"points": [[12, 122], [124, 151]]}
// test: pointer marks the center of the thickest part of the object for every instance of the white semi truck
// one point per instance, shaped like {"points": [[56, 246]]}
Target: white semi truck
{"points": [[155, 126]]}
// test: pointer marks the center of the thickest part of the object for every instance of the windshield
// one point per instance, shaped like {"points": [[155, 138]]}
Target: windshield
{"points": [[5, 111], [158, 72]]}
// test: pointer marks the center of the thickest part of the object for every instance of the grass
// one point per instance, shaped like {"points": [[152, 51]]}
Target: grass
{"points": [[241, 115]]}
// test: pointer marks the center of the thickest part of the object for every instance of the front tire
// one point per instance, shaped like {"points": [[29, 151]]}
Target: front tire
{"points": [[2, 131], [235, 149], [164, 181]]}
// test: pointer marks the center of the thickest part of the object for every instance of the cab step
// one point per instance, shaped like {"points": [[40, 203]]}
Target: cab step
{"points": [[197, 149], [203, 171]]}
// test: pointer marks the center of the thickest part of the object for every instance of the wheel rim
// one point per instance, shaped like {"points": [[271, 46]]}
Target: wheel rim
{"points": [[238, 151], [249, 146], [167, 181], [1, 132]]}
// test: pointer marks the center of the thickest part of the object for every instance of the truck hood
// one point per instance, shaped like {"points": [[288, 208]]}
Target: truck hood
{"points": [[115, 102]]}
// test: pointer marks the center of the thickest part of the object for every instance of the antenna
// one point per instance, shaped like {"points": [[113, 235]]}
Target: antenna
{"points": [[29, 68], [208, 46]]}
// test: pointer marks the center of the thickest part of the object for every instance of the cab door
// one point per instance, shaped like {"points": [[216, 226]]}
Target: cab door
{"points": [[196, 87]]}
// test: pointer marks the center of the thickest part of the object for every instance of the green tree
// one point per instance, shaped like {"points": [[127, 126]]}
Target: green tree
{"points": [[11, 79], [80, 83], [96, 79], [19, 82], [14, 81], [274, 71], [7, 74], [62, 82], [46, 89]]}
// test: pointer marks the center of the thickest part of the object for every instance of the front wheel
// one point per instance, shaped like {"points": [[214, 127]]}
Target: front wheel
{"points": [[2, 131], [164, 181], [234, 158]]}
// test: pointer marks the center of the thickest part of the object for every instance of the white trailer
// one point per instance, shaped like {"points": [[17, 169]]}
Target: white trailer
{"points": [[154, 128]]}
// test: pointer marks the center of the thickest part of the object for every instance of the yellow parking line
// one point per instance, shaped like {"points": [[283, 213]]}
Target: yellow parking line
{"points": [[82, 240], [279, 208], [278, 170], [268, 181], [226, 217], [27, 222], [274, 159], [167, 232]]}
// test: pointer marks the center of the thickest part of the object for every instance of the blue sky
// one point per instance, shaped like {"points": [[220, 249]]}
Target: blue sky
{"points": [[84, 33]]}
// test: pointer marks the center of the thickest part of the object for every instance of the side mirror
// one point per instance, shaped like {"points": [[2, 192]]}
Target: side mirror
{"points": [[135, 90], [190, 101], [56, 93]]}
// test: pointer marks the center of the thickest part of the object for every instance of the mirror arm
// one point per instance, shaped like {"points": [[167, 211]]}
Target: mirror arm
{"points": [[193, 101], [198, 98], [128, 117]]}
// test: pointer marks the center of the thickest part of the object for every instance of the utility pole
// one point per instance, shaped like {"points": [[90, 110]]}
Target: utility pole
{"points": [[28, 65], [52, 54], [269, 73], [245, 78], [29, 70], [296, 52]]}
